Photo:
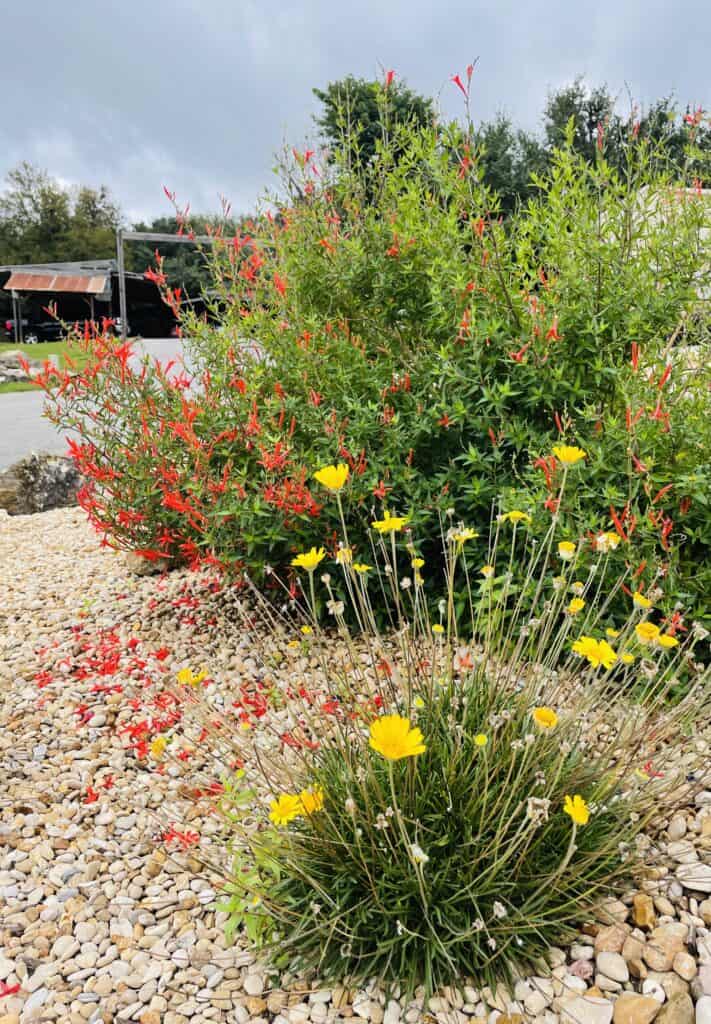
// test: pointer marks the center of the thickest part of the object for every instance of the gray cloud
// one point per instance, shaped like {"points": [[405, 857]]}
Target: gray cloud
{"points": [[198, 94]]}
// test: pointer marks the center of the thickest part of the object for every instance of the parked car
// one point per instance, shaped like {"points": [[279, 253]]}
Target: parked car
{"points": [[7, 329]]}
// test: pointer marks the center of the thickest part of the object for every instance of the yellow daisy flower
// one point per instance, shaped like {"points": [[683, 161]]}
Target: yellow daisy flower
{"points": [[311, 799], [395, 737], [462, 536], [566, 550], [545, 718], [568, 454], [390, 524], [647, 632], [309, 560], [285, 808], [668, 641], [515, 516], [578, 810], [361, 567], [596, 652], [333, 477]]}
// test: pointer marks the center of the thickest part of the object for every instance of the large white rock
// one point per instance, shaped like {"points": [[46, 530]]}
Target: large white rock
{"points": [[588, 1009], [695, 876]]}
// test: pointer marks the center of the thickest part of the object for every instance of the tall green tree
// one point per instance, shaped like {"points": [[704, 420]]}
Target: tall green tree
{"points": [[185, 265], [43, 222], [590, 109], [356, 110], [509, 157]]}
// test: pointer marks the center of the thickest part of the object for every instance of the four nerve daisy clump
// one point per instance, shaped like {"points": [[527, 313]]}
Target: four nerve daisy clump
{"points": [[450, 797]]}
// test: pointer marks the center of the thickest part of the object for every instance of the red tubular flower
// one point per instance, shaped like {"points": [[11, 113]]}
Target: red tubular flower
{"points": [[660, 493], [618, 521], [460, 85], [518, 356], [635, 356], [389, 78], [553, 334]]}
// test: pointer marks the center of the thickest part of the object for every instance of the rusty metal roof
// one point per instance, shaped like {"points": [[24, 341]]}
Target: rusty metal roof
{"points": [[79, 283]]}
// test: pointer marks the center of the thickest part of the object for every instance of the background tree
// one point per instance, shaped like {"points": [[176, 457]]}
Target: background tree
{"points": [[509, 157], [354, 103], [590, 109], [43, 222], [184, 265]]}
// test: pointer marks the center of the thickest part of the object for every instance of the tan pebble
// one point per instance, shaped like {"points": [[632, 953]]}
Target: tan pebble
{"points": [[679, 1010], [664, 943], [685, 966], [637, 969], [611, 938], [643, 910], [633, 1009]]}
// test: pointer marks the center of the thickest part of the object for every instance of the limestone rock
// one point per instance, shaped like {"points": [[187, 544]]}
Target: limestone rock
{"points": [[611, 939], [633, 1009], [679, 1010], [38, 483], [586, 1008], [643, 910], [696, 877], [664, 943], [613, 965], [11, 368]]}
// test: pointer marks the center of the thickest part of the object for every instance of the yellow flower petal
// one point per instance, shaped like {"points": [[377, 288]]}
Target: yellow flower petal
{"points": [[566, 550], [578, 810], [309, 560], [395, 737], [568, 454], [285, 808], [544, 717], [390, 524], [333, 477], [647, 632], [515, 516], [311, 800]]}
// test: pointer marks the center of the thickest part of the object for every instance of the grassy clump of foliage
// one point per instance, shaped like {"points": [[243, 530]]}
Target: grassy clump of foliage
{"points": [[453, 800]]}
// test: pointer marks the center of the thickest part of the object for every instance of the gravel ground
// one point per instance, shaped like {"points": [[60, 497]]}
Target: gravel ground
{"points": [[106, 914]]}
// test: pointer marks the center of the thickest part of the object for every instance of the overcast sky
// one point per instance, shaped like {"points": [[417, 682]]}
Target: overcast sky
{"points": [[199, 94]]}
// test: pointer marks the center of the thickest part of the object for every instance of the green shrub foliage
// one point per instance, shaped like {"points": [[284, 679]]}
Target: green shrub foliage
{"points": [[382, 314]]}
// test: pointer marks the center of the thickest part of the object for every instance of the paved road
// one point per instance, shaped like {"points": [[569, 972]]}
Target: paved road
{"points": [[23, 429]]}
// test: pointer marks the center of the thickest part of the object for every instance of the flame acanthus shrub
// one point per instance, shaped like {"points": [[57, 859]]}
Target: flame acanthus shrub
{"points": [[387, 318]]}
